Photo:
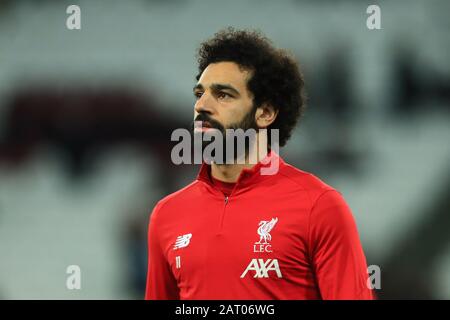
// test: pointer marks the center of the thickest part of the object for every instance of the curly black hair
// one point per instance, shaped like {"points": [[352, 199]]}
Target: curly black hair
{"points": [[276, 77]]}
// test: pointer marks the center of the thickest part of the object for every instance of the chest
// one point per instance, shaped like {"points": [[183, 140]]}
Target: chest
{"points": [[239, 237]]}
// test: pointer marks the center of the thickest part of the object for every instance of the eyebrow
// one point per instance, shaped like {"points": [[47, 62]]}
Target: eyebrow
{"points": [[218, 87]]}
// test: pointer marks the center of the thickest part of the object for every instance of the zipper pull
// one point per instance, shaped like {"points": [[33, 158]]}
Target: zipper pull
{"points": [[226, 199]]}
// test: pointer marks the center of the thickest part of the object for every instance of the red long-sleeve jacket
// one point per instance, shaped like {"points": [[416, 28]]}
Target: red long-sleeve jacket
{"points": [[282, 236]]}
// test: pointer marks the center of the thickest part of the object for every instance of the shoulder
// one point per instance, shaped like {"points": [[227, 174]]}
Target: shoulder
{"points": [[176, 199], [307, 182]]}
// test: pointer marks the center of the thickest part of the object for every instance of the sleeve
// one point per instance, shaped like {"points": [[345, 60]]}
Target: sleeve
{"points": [[161, 284], [336, 252]]}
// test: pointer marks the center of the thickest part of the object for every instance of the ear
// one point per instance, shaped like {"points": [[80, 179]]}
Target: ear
{"points": [[265, 115]]}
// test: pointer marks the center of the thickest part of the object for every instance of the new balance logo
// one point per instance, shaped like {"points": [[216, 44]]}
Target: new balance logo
{"points": [[182, 241], [262, 268]]}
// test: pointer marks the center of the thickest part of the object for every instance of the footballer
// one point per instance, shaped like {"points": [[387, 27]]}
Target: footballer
{"points": [[235, 233]]}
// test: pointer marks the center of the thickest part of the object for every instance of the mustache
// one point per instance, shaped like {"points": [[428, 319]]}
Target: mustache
{"points": [[212, 123]]}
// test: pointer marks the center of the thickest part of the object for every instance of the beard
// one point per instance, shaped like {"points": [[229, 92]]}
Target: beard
{"points": [[248, 122]]}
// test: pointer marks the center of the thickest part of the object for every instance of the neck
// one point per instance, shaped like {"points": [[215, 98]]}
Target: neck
{"points": [[230, 172]]}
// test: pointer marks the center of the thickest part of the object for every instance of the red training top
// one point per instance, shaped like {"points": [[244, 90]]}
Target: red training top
{"points": [[282, 236]]}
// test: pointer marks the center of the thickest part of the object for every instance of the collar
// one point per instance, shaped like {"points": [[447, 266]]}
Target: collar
{"points": [[248, 176]]}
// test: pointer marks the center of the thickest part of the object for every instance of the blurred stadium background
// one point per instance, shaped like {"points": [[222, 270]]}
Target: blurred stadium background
{"points": [[86, 117]]}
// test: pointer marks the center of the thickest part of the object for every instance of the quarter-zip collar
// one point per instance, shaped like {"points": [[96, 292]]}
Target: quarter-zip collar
{"points": [[248, 176]]}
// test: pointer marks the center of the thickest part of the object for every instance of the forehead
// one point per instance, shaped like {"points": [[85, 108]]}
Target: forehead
{"points": [[224, 72]]}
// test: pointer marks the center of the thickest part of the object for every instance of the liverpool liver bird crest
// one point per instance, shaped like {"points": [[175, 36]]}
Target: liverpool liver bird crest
{"points": [[264, 230]]}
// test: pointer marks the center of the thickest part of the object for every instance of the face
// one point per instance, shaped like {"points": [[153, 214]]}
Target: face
{"points": [[222, 98]]}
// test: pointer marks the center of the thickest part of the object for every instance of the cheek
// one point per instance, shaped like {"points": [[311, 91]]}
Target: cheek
{"points": [[231, 116], [242, 111], [234, 113]]}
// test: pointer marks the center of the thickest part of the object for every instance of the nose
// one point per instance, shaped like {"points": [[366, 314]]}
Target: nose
{"points": [[204, 104]]}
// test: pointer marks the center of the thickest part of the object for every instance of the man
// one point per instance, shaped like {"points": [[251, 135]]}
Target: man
{"points": [[235, 233]]}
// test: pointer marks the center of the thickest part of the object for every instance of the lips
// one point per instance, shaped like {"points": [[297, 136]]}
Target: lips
{"points": [[206, 124]]}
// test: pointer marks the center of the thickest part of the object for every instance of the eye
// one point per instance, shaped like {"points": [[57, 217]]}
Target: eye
{"points": [[223, 95], [198, 94]]}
